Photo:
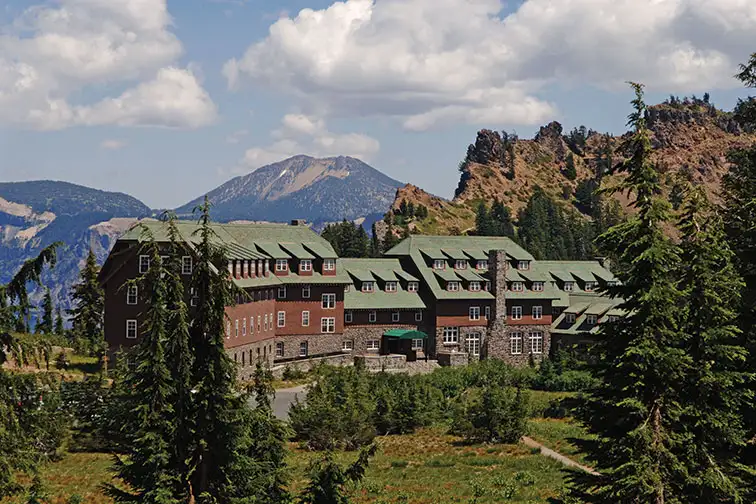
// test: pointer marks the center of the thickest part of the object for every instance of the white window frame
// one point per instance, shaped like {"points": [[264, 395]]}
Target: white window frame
{"points": [[306, 292], [282, 265], [515, 343], [537, 312], [417, 344], [252, 325], [304, 349], [591, 319], [279, 349], [347, 345], [265, 324], [259, 323], [328, 301], [244, 326], [187, 266], [228, 329], [412, 287], [395, 316], [144, 263], [418, 316], [329, 264], [516, 313], [538, 286], [570, 318], [305, 318], [569, 286], [305, 265], [281, 319], [517, 287], [132, 294], [237, 268], [472, 343], [474, 312], [487, 312], [481, 265], [460, 264], [450, 335], [439, 264], [132, 327], [328, 325], [390, 286], [474, 286], [523, 265], [590, 286], [282, 292], [348, 317], [452, 286], [372, 316], [536, 342], [193, 297], [612, 318], [245, 270], [373, 345], [368, 286]]}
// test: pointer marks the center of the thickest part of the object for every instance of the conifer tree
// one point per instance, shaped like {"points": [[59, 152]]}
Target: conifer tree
{"points": [[46, 323], [14, 296], [714, 394], [502, 219], [569, 171], [89, 301], [375, 243], [642, 361], [328, 480], [483, 225], [59, 327]]}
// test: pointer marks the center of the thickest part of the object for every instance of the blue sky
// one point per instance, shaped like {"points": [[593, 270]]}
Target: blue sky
{"points": [[165, 102]]}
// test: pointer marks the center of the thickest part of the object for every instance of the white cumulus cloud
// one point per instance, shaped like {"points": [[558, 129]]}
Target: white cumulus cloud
{"points": [[435, 62], [54, 52]]}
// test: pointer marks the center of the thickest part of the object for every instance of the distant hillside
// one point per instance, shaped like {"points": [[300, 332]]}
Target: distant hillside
{"points": [[38, 213], [302, 187], [690, 139]]}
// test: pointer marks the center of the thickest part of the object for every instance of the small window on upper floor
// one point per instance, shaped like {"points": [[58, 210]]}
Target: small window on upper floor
{"points": [[305, 265], [612, 318], [390, 286], [144, 263], [439, 264], [474, 286], [569, 318], [590, 286], [452, 286], [305, 291], [569, 286], [517, 286], [538, 286], [282, 265], [460, 264], [368, 286], [412, 287], [591, 319], [329, 264], [523, 265], [186, 265], [482, 265]]}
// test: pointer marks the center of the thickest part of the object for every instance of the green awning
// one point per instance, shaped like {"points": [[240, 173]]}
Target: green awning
{"points": [[405, 334]]}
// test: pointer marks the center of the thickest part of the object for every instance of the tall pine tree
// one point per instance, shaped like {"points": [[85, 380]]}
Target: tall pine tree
{"points": [[89, 300], [642, 361], [46, 323]]}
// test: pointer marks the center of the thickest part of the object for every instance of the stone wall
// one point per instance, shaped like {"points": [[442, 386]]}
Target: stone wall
{"points": [[501, 346], [246, 357], [464, 331], [344, 359], [317, 344], [360, 335], [453, 358], [382, 362]]}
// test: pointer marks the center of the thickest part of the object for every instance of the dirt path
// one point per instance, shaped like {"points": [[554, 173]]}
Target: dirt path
{"points": [[548, 452]]}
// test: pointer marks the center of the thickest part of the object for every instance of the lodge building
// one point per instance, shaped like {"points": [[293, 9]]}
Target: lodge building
{"points": [[428, 297]]}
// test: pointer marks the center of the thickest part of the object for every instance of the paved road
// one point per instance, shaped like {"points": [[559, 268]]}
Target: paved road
{"points": [[284, 399]]}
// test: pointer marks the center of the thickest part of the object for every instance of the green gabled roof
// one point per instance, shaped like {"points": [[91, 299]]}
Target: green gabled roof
{"points": [[406, 276], [296, 250], [236, 251], [367, 270], [432, 253], [320, 250], [562, 301], [577, 307], [548, 292], [386, 276], [617, 312], [405, 334], [273, 250], [454, 253], [476, 254], [470, 275], [514, 275], [572, 270], [246, 283], [316, 278], [482, 243], [382, 300], [598, 309], [447, 275]]}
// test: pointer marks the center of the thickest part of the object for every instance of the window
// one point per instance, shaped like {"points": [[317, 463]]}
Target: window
{"points": [[132, 295], [536, 342], [517, 313], [236, 328], [612, 318], [523, 265], [515, 343], [569, 286], [231, 268], [390, 286], [259, 318], [193, 297], [472, 343], [144, 263], [131, 329], [537, 312], [303, 349], [328, 324], [282, 292], [452, 286], [244, 359], [186, 265], [418, 316], [487, 286], [439, 264], [266, 264], [244, 327], [305, 318], [245, 269], [460, 264], [488, 312], [372, 316], [305, 265], [237, 268], [228, 329], [395, 316], [305, 292], [348, 317], [347, 346], [451, 335], [474, 313], [590, 286], [367, 287], [279, 349], [590, 319], [538, 286], [329, 301], [347, 288], [265, 325], [373, 345], [329, 264], [412, 287], [482, 265], [570, 318], [282, 265], [516, 286], [417, 344], [474, 286], [252, 325], [282, 319]]}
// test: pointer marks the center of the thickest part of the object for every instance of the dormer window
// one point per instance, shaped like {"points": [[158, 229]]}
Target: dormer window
{"points": [[282, 265], [305, 265], [390, 286], [517, 286], [186, 265], [144, 263], [329, 264], [460, 264], [452, 286], [486, 286], [482, 265], [612, 318], [523, 265], [412, 287], [590, 319], [590, 286], [245, 269], [368, 286], [237, 268], [611, 283], [538, 286], [439, 264], [569, 286], [474, 286], [570, 318]]}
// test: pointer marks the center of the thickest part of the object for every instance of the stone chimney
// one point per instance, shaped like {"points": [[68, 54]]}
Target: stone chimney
{"points": [[497, 267], [298, 222]]}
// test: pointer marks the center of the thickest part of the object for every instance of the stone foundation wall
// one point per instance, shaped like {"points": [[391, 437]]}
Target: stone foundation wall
{"points": [[360, 335], [345, 359], [500, 347], [246, 357], [317, 344], [453, 358], [460, 345], [382, 362]]}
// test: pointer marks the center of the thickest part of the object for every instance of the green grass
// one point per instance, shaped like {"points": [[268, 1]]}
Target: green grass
{"points": [[557, 435]]}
